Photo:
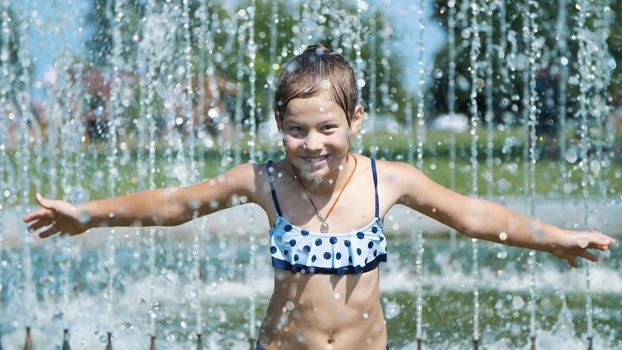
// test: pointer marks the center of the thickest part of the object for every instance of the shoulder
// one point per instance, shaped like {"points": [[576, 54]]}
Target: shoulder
{"points": [[241, 173], [395, 171], [400, 179], [244, 177]]}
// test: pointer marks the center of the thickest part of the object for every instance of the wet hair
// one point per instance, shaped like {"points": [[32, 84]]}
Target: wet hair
{"points": [[317, 69]]}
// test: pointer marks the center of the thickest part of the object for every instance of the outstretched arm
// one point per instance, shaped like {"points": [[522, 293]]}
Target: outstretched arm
{"points": [[487, 220], [159, 207]]}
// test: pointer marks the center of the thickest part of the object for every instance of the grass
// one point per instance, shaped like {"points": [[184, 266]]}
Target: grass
{"points": [[72, 174]]}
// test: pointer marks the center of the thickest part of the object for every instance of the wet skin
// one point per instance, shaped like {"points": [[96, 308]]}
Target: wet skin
{"points": [[319, 311]]}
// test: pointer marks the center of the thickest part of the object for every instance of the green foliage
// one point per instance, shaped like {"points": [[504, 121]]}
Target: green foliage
{"points": [[508, 88], [293, 30]]}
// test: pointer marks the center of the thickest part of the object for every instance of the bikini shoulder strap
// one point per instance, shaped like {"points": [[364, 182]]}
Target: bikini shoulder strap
{"points": [[373, 169], [272, 189]]}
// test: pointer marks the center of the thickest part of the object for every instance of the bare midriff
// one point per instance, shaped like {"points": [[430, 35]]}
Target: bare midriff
{"points": [[320, 311]]}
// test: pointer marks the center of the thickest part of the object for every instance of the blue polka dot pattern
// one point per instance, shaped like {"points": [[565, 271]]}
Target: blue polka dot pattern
{"points": [[374, 229], [297, 250]]}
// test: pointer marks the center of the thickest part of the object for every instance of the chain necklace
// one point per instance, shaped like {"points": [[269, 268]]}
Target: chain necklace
{"points": [[324, 225]]}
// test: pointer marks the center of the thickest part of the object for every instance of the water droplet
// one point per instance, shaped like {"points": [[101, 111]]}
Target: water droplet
{"points": [[571, 155], [595, 167], [517, 302], [392, 309], [84, 217]]}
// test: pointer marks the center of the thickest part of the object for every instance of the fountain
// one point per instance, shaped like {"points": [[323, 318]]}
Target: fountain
{"points": [[179, 91]]}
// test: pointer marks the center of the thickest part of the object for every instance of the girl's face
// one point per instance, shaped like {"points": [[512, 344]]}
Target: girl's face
{"points": [[315, 135]]}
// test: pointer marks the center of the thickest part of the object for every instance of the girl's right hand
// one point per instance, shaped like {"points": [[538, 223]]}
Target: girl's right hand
{"points": [[61, 217]]}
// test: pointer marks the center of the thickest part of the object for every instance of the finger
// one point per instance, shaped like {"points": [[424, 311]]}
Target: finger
{"points": [[573, 262], [605, 238], [38, 215], [603, 247], [49, 232], [43, 202], [589, 256], [598, 245], [34, 216], [38, 224]]}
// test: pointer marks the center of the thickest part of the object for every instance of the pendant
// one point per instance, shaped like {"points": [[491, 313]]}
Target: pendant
{"points": [[324, 227]]}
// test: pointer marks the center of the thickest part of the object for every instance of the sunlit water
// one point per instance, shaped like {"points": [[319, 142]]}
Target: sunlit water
{"points": [[223, 292]]}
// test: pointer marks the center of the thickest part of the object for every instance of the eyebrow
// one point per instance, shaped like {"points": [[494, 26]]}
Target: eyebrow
{"points": [[332, 120]]}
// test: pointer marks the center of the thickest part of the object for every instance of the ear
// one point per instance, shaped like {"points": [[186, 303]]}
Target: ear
{"points": [[357, 119]]}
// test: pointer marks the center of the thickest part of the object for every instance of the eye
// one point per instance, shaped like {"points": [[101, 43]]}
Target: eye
{"points": [[294, 129], [329, 126]]}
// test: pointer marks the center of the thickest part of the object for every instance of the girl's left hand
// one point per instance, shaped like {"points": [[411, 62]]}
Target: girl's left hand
{"points": [[575, 244]]}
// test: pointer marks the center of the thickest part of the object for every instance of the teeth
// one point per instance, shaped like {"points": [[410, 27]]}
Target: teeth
{"points": [[315, 159]]}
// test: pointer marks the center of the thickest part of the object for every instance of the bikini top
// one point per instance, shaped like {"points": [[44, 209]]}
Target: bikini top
{"points": [[298, 250]]}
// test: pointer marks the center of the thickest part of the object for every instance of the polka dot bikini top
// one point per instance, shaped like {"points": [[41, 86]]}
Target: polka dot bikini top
{"points": [[298, 250]]}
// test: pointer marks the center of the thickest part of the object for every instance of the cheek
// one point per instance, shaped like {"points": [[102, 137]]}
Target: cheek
{"points": [[291, 142], [339, 139]]}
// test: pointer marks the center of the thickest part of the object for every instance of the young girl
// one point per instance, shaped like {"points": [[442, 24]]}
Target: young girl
{"points": [[326, 207]]}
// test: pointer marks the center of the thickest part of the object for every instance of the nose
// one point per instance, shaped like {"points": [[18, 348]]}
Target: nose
{"points": [[313, 142]]}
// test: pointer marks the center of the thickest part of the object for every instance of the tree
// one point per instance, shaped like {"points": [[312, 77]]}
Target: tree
{"points": [[508, 88], [335, 24]]}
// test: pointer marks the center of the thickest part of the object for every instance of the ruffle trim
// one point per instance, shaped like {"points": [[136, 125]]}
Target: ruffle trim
{"points": [[345, 270]]}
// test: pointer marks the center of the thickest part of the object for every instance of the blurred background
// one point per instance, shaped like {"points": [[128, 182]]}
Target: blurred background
{"points": [[516, 102]]}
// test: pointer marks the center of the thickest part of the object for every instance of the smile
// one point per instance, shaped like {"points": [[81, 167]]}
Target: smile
{"points": [[315, 159]]}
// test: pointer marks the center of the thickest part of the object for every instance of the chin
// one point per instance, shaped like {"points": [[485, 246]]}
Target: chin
{"points": [[319, 173]]}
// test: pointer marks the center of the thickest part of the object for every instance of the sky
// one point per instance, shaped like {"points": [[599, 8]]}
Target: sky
{"points": [[59, 26]]}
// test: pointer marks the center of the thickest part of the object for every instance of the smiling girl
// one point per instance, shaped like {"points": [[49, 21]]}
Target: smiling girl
{"points": [[326, 206]]}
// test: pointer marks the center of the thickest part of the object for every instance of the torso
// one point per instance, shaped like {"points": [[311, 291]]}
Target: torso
{"points": [[320, 311]]}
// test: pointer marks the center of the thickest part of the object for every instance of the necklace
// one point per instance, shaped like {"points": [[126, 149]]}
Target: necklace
{"points": [[324, 225]]}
